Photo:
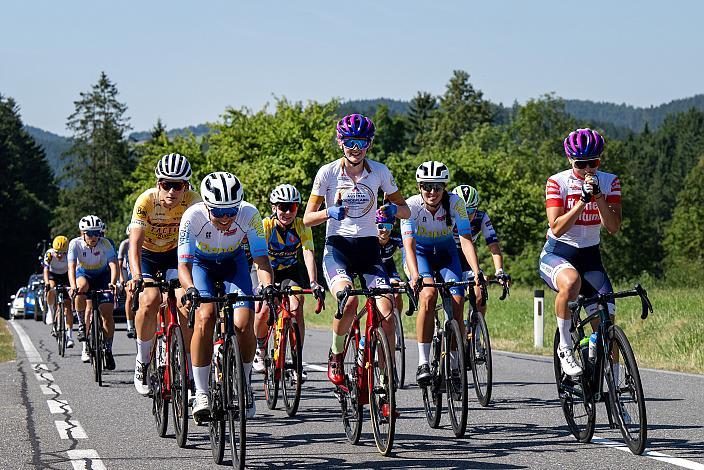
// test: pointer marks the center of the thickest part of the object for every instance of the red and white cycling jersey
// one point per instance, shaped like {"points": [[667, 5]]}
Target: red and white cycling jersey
{"points": [[564, 190]]}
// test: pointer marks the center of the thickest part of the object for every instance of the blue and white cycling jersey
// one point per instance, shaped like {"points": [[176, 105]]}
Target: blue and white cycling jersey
{"points": [[200, 240], [431, 230], [91, 260]]}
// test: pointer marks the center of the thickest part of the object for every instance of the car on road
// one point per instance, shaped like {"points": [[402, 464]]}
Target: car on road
{"points": [[17, 303], [34, 299]]}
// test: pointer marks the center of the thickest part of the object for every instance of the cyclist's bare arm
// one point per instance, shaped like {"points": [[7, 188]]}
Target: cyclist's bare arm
{"points": [[264, 272], [469, 252], [560, 222], [313, 215], [137, 235], [496, 256], [610, 213], [309, 259], [397, 198]]}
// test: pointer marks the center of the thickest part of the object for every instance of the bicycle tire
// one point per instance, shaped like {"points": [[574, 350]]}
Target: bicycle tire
{"points": [[60, 320], [160, 408], [179, 385], [96, 331], [216, 425], [480, 359], [271, 382], [382, 391], [432, 393], [575, 394], [349, 399], [234, 381], [293, 367], [457, 392], [634, 434], [399, 351]]}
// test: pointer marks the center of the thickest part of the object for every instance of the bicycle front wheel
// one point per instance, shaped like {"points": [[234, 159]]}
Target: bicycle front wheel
{"points": [[179, 385], [479, 356], [216, 425], [348, 394], [626, 395], [235, 399], [575, 397], [382, 399], [456, 378], [60, 320], [271, 381], [432, 393], [97, 345], [400, 351], [293, 367], [160, 409]]}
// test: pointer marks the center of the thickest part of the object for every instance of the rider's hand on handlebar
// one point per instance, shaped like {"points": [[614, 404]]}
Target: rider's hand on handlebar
{"points": [[318, 291], [190, 297], [503, 277], [133, 284]]}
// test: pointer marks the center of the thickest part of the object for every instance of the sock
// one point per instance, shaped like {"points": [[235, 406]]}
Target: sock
{"points": [[143, 349], [69, 333], [108, 344], [338, 343], [85, 346], [247, 366], [190, 365], [565, 336], [423, 353], [200, 377], [130, 324], [261, 343]]}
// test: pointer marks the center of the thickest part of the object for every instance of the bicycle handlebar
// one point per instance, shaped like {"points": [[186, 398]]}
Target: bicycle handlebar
{"points": [[161, 285], [230, 298], [638, 290], [344, 295], [506, 288], [295, 290]]}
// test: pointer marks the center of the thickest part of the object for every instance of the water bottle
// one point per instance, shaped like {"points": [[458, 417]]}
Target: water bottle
{"points": [[360, 352], [217, 358], [592, 347]]}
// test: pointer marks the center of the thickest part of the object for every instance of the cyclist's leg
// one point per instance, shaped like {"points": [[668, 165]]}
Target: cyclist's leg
{"points": [[452, 272], [427, 299], [202, 339], [338, 277], [51, 301], [375, 276], [149, 301], [106, 311]]}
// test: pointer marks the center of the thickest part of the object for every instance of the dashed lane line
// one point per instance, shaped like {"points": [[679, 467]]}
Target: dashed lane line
{"points": [[84, 459], [659, 456]]}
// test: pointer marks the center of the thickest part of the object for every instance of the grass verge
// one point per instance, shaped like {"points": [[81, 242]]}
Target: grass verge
{"points": [[668, 339], [7, 344]]}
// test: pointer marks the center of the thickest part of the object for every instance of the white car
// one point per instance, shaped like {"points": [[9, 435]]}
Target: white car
{"points": [[17, 305]]}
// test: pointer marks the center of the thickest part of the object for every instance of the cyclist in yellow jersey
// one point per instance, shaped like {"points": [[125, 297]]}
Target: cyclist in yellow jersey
{"points": [[286, 236], [153, 248]]}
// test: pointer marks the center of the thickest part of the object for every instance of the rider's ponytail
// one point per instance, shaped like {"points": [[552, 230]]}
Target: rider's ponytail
{"points": [[446, 206]]}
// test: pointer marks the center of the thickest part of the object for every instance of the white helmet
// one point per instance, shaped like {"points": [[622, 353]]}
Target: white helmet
{"points": [[103, 227], [90, 222], [173, 167], [432, 172], [468, 194], [221, 189], [285, 193]]}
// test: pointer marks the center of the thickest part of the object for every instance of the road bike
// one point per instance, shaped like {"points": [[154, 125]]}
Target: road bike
{"points": [[284, 358], [167, 373], [59, 327], [368, 369], [611, 360], [95, 338]]}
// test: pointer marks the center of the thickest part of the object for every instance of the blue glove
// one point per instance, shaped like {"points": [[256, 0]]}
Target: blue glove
{"points": [[389, 210], [337, 212]]}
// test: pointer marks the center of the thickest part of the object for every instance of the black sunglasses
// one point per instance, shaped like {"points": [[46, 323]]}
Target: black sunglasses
{"points": [[169, 185], [582, 164], [428, 187], [287, 206]]}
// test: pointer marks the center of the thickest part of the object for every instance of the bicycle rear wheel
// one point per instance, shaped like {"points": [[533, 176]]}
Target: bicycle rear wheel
{"points": [[349, 395], [456, 378], [432, 394], [577, 403], [628, 402], [61, 334], [97, 345], [479, 355], [235, 399], [381, 392], [400, 351], [179, 385], [271, 382], [216, 425], [293, 367], [160, 408]]}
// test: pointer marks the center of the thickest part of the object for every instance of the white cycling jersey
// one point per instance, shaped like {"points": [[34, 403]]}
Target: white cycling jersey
{"points": [[431, 229], [199, 239], [564, 189], [359, 198], [56, 264], [92, 260]]}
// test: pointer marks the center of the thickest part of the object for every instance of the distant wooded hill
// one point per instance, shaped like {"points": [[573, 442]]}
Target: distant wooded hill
{"points": [[619, 119]]}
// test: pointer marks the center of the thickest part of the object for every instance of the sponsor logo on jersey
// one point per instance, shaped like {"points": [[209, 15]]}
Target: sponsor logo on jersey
{"points": [[231, 232]]}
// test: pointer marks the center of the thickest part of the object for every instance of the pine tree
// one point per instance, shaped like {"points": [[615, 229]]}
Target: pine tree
{"points": [[419, 113]]}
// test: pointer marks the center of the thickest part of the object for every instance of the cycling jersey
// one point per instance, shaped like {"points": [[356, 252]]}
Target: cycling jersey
{"points": [[123, 255], [161, 225], [564, 190], [199, 239], [360, 198], [284, 244], [92, 261], [56, 264], [387, 256], [480, 224]]}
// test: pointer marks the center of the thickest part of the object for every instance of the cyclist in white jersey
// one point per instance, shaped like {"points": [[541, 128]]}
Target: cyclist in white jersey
{"points": [[56, 272], [123, 263], [350, 187], [209, 250], [578, 202]]}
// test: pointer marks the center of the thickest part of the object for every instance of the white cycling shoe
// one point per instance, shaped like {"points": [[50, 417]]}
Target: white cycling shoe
{"points": [[201, 407], [85, 357], [568, 362], [259, 363], [139, 371]]}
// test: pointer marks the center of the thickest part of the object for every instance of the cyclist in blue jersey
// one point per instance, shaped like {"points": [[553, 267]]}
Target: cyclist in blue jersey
{"points": [[430, 249], [388, 245], [209, 250], [350, 186]]}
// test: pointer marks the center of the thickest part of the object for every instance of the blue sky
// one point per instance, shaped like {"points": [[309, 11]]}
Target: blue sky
{"points": [[185, 62]]}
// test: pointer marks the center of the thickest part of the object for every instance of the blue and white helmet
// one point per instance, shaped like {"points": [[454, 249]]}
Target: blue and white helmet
{"points": [[173, 167], [221, 189]]}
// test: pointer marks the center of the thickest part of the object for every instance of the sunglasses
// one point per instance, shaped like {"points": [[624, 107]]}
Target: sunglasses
{"points": [[220, 212], [471, 211], [385, 226], [582, 164], [169, 185], [361, 144], [287, 206], [93, 233], [429, 187]]}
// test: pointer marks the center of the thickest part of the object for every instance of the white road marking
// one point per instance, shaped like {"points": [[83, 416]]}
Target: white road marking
{"points": [[57, 406], [70, 429], [30, 351], [38, 367], [48, 376], [81, 457], [651, 454], [315, 367], [52, 389]]}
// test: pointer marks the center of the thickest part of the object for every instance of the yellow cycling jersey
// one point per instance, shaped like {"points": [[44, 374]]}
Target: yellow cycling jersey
{"points": [[159, 223], [283, 245]]}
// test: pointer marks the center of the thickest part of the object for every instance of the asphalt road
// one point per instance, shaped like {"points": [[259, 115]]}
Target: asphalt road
{"points": [[55, 416]]}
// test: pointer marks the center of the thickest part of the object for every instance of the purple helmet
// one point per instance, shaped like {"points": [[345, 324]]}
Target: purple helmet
{"points": [[355, 125], [382, 218], [584, 144]]}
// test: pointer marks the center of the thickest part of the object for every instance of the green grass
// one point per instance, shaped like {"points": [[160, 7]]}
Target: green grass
{"points": [[7, 344], [671, 338]]}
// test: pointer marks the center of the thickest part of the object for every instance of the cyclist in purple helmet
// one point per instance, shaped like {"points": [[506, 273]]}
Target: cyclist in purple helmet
{"points": [[350, 186], [578, 202]]}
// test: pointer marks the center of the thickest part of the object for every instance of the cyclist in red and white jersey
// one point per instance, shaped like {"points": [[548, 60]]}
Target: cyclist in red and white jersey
{"points": [[578, 202]]}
